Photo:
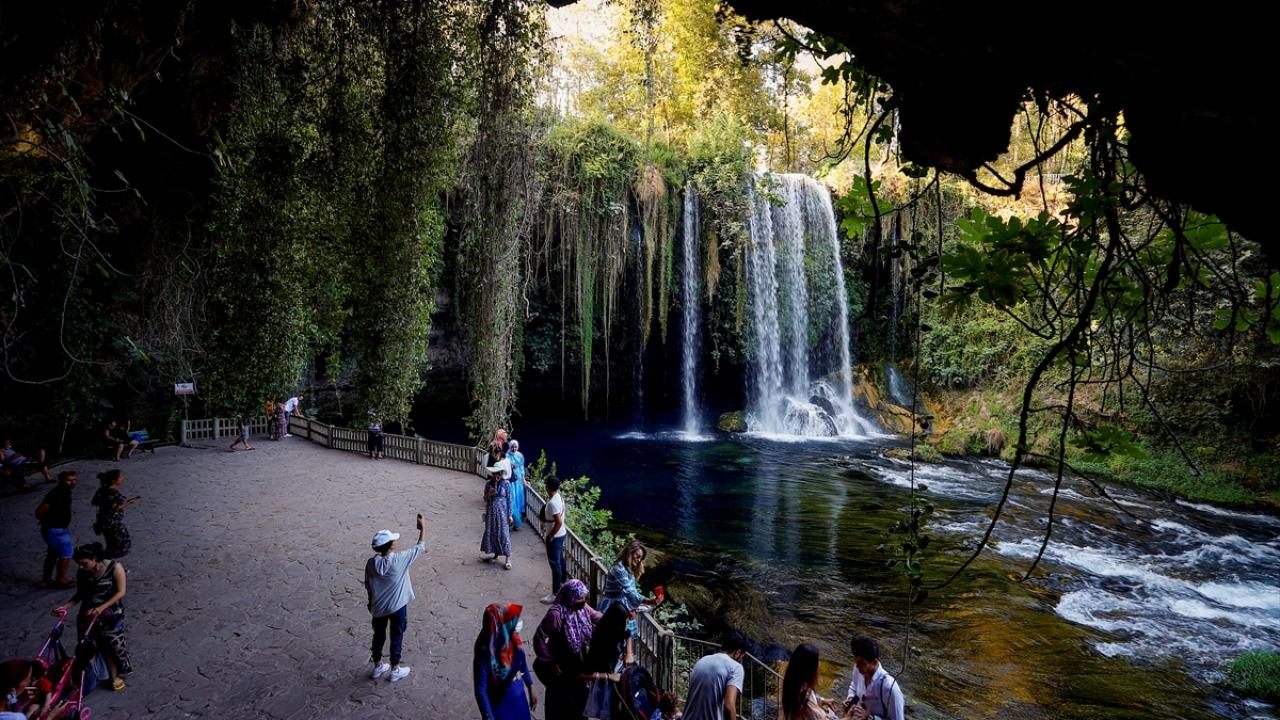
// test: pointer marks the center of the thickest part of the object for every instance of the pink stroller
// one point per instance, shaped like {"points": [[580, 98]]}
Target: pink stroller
{"points": [[71, 677]]}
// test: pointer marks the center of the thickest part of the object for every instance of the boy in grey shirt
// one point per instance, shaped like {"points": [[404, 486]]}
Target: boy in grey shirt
{"points": [[716, 681], [386, 577]]}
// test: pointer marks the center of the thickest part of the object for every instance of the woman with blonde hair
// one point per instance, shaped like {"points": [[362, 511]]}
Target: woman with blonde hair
{"points": [[620, 585]]}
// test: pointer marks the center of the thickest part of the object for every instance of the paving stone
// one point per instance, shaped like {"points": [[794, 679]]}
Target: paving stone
{"points": [[244, 595]]}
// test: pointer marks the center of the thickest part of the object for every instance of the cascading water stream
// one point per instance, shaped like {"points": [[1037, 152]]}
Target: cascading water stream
{"points": [[766, 354], [793, 296], [692, 312], [825, 216], [798, 337]]}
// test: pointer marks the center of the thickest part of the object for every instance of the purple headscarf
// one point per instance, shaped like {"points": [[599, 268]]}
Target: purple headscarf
{"points": [[577, 616]]}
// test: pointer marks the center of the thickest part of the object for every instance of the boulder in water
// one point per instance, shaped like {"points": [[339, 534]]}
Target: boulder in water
{"points": [[824, 403], [732, 422]]}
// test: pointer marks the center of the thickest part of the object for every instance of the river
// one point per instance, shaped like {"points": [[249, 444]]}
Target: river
{"points": [[1130, 614]]}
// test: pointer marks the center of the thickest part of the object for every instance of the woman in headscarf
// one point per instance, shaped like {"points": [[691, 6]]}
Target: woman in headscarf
{"points": [[499, 663], [517, 483], [497, 510], [561, 645]]}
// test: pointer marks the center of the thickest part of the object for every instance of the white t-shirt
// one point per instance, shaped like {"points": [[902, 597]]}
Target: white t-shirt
{"points": [[290, 405], [882, 698], [707, 682], [555, 506]]}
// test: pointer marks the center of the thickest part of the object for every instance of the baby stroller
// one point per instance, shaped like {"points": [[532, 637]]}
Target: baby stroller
{"points": [[71, 677]]}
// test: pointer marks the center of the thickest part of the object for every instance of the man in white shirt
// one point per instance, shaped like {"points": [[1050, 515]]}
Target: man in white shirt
{"points": [[873, 693], [716, 682], [553, 512], [292, 406]]}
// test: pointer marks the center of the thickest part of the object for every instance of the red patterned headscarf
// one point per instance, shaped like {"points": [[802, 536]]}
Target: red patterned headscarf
{"points": [[499, 640]]}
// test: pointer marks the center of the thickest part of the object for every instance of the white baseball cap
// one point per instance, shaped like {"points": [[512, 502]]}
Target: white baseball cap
{"points": [[382, 537]]}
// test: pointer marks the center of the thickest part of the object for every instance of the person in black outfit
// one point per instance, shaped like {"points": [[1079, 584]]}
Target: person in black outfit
{"points": [[54, 514]]}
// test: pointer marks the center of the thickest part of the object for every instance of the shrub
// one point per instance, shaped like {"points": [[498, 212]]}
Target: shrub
{"points": [[1256, 674]]}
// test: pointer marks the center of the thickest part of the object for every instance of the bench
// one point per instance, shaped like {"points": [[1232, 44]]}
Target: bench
{"points": [[145, 441]]}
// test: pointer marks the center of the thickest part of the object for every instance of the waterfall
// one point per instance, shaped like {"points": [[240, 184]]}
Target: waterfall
{"points": [[765, 363], [800, 368], [637, 405], [692, 311]]}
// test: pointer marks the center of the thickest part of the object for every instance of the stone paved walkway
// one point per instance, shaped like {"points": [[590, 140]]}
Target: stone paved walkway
{"points": [[244, 596]]}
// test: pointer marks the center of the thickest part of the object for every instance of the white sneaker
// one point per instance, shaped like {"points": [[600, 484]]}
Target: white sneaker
{"points": [[548, 599], [288, 434], [379, 670], [400, 673]]}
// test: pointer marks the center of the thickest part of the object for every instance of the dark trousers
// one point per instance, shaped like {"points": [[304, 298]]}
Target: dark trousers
{"points": [[399, 621], [555, 558], [565, 698]]}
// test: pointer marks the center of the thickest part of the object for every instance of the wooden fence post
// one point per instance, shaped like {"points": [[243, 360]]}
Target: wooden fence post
{"points": [[217, 427], [422, 450]]}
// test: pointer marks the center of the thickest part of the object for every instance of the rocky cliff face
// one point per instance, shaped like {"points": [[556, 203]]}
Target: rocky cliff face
{"points": [[885, 395]]}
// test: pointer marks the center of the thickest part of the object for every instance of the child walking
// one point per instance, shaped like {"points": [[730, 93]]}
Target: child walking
{"points": [[243, 439]]}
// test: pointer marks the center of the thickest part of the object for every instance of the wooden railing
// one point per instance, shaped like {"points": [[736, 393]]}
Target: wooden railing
{"points": [[655, 646], [401, 447]]}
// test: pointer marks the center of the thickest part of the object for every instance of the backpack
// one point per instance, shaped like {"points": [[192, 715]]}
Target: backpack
{"points": [[637, 696]]}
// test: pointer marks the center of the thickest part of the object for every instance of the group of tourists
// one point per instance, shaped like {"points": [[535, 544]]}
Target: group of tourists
{"points": [[99, 584], [503, 498], [277, 412], [873, 694]]}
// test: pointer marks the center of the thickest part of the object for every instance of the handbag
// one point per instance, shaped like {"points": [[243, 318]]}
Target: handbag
{"points": [[598, 700]]}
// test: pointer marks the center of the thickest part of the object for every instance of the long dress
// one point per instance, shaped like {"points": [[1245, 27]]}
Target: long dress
{"points": [[497, 531], [509, 704], [110, 524], [517, 488], [108, 631]]}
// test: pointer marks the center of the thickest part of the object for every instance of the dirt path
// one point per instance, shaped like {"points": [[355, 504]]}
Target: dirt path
{"points": [[244, 596]]}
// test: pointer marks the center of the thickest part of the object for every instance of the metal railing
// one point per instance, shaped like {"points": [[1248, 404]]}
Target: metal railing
{"points": [[762, 685], [666, 656]]}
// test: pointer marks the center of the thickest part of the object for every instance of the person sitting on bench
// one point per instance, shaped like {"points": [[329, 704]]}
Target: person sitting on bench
{"points": [[117, 438], [14, 464]]}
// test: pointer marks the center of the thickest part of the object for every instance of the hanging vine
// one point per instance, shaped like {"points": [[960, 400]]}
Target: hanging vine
{"points": [[591, 170], [499, 188]]}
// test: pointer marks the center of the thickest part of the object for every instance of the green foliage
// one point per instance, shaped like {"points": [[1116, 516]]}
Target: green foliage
{"points": [[719, 167], [591, 168], [1165, 469], [582, 512], [498, 188], [906, 544], [311, 261], [1256, 674]]}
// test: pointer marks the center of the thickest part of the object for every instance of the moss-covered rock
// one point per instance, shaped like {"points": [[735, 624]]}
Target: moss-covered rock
{"points": [[733, 422], [923, 453]]}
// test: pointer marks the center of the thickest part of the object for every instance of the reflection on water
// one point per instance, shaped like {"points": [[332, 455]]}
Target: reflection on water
{"points": [[1129, 616]]}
